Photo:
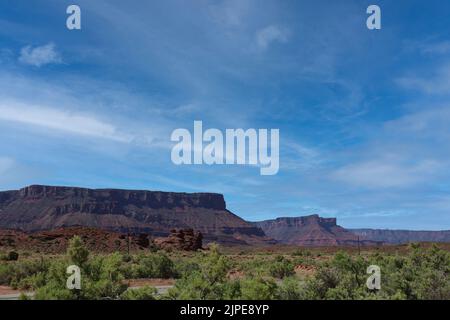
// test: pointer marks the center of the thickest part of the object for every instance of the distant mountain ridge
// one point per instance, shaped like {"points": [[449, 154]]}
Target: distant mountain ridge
{"points": [[316, 231], [402, 236], [310, 231], [37, 208]]}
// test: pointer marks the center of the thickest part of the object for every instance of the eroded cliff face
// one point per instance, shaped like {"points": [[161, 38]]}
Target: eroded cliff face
{"points": [[39, 207], [309, 231], [114, 200]]}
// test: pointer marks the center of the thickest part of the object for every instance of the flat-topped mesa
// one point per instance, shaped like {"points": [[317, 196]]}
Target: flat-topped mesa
{"points": [[38, 207], [116, 198], [308, 230], [301, 221]]}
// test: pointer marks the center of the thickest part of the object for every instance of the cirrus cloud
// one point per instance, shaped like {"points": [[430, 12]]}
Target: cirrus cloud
{"points": [[40, 56], [51, 118]]}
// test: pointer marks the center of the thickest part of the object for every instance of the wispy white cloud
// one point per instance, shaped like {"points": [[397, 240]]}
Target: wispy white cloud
{"points": [[298, 156], [437, 83], [61, 120], [77, 110], [40, 56], [430, 123], [386, 173], [436, 48], [270, 34]]}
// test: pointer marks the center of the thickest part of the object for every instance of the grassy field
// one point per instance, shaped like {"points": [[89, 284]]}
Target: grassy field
{"points": [[415, 271]]}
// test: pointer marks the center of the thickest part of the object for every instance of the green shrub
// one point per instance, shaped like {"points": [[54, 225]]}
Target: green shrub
{"points": [[255, 267], [144, 293], [258, 289], [54, 287], [281, 268], [290, 289], [101, 278], [32, 282], [183, 267], [12, 273], [208, 283], [23, 296], [419, 274], [53, 291], [77, 252], [157, 265]]}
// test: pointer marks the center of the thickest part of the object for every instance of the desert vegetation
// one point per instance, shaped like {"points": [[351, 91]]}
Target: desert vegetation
{"points": [[407, 272]]}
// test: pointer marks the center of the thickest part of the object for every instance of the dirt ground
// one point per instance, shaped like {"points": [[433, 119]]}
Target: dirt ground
{"points": [[4, 290]]}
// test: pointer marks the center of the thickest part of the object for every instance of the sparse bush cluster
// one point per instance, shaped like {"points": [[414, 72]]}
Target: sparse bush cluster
{"points": [[212, 282], [102, 275], [421, 274], [19, 274], [418, 273]]}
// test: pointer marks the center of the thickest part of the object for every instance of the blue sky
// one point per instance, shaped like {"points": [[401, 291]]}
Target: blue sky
{"points": [[363, 115]]}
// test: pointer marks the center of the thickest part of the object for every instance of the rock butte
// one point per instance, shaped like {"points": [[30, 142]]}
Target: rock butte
{"points": [[37, 208]]}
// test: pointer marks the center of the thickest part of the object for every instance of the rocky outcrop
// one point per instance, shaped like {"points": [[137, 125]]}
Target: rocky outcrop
{"points": [[37, 208], [186, 240], [310, 231], [402, 236]]}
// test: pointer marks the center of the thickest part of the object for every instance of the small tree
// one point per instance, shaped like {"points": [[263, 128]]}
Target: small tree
{"points": [[77, 251]]}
